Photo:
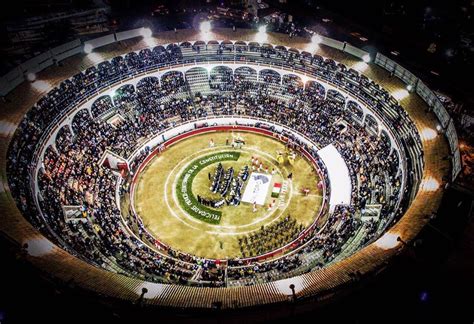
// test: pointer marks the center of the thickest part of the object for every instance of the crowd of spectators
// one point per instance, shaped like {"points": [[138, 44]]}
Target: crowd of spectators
{"points": [[70, 173]]}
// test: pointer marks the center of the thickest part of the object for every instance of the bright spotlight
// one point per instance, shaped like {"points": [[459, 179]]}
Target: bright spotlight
{"points": [[427, 134], [409, 87], [7, 128], [366, 58], [41, 86], [360, 66], [95, 57], [146, 32], [154, 290], [316, 39], [400, 94], [314, 45], [429, 184], [205, 27], [439, 128], [388, 241], [31, 77], [39, 247], [88, 48], [283, 286], [261, 36]]}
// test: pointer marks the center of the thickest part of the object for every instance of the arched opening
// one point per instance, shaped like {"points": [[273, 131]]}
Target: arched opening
{"points": [[371, 124], [226, 46], [335, 96], [185, 45], [385, 139], [133, 60], [245, 73], [241, 46], [221, 77], [146, 56], [101, 106], [172, 82], [294, 51], [147, 85], [174, 52], [318, 60], [269, 76], [124, 95], [355, 111], [280, 48], [198, 79], [107, 71], [306, 55], [64, 139], [119, 65], [292, 80], [316, 89], [80, 120], [159, 50], [254, 47], [213, 45]]}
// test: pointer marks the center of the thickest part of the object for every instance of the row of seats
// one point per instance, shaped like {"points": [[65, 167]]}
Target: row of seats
{"points": [[71, 174]]}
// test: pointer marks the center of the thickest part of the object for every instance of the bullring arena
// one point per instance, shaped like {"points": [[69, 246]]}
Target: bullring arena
{"points": [[220, 169]]}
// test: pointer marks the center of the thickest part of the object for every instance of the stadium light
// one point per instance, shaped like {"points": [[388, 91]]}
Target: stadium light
{"points": [[400, 94], [6, 128], [388, 241], [41, 86], [262, 35], [360, 66], [38, 247], [88, 48], [409, 87], [148, 39], [439, 128], [153, 290], [316, 39], [283, 286], [205, 27], [31, 76], [366, 58], [95, 57], [313, 46], [429, 184], [427, 134], [146, 32]]}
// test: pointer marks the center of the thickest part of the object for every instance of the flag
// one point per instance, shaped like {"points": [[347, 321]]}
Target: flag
{"points": [[276, 189]]}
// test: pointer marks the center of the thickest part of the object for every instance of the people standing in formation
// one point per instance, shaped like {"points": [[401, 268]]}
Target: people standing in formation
{"points": [[270, 237], [227, 185]]}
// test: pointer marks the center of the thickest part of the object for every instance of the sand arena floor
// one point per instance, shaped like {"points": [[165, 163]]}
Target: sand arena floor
{"points": [[156, 203]]}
